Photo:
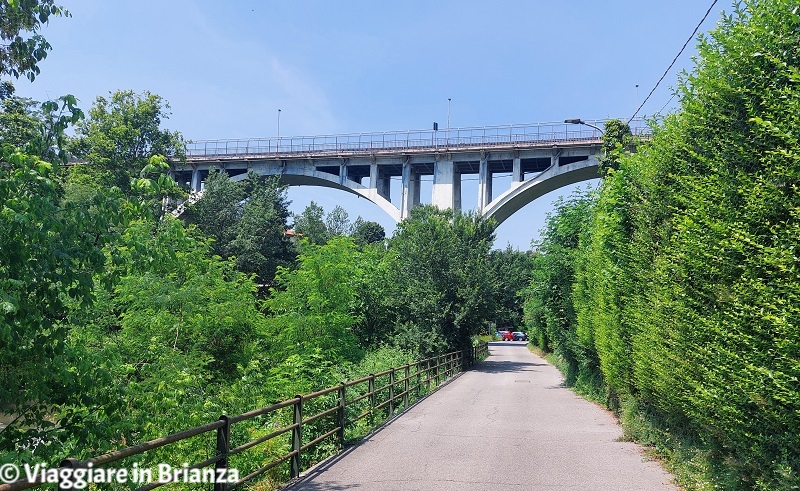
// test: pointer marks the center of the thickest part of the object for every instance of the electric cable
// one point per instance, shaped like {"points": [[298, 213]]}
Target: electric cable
{"points": [[673, 61]]}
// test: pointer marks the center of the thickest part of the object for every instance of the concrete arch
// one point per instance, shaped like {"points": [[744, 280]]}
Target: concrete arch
{"points": [[309, 176], [553, 178]]}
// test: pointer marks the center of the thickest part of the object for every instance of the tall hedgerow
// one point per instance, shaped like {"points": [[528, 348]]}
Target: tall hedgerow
{"points": [[689, 288]]}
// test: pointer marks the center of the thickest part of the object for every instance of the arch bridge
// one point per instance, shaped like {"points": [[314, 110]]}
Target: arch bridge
{"points": [[540, 158]]}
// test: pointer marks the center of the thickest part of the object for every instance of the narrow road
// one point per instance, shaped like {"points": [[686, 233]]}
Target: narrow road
{"points": [[508, 424]]}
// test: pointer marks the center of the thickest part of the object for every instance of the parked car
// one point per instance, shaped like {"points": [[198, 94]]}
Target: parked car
{"points": [[505, 335], [519, 336]]}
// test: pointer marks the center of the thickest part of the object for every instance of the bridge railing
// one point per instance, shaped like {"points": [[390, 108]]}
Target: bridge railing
{"points": [[285, 433], [411, 140]]}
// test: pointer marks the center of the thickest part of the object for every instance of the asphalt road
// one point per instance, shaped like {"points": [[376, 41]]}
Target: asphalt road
{"points": [[508, 424]]}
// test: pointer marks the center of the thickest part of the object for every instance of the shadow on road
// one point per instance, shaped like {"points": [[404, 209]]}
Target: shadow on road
{"points": [[506, 366]]}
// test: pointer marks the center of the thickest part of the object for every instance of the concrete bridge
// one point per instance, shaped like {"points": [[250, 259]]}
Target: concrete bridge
{"points": [[539, 158]]}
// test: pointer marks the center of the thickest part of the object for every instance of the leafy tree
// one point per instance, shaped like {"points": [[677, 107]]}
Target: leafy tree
{"points": [[38, 129], [218, 211], [367, 232], [120, 136], [19, 55], [439, 287], [247, 220], [311, 224], [510, 274], [261, 245], [49, 252], [338, 223], [617, 140], [315, 307]]}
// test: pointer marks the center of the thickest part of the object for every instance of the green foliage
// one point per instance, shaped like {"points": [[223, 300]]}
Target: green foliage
{"points": [[549, 309], [315, 307], [20, 56], [311, 224], [617, 140], [248, 221], [120, 136], [510, 274], [367, 232], [686, 287], [438, 286], [48, 254], [38, 129]]}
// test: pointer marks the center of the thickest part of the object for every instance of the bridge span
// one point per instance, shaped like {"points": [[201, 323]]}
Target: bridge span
{"points": [[539, 157]]}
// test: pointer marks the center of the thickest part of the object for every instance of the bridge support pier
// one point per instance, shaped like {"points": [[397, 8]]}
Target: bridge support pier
{"points": [[196, 180], [446, 185], [516, 169], [411, 190], [484, 184]]}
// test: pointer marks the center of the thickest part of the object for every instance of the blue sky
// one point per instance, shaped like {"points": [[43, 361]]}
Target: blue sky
{"points": [[361, 66]]}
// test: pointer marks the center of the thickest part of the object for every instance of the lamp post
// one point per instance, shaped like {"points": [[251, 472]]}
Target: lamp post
{"points": [[580, 121], [279, 123], [448, 114]]}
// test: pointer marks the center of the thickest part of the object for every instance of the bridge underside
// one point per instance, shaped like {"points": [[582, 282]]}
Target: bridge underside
{"points": [[534, 171]]}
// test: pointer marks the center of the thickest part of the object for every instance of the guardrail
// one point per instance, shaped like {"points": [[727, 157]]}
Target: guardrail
{"points": [[410, 140], [376, 397]]}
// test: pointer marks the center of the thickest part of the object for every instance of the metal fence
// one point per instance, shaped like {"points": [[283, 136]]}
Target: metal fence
{"points": [[409, 140], [336, 409]]}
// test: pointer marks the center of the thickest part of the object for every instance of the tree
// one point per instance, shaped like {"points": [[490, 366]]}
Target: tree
{"points": [[248, 221], [439, 288], [49, 253], [38, 129], [510, 274], [617, 140], [549, 308], [311, 224], [338, 222], [20, 56], [261, 245], [315, 306], [367, 232], [120, 136]]}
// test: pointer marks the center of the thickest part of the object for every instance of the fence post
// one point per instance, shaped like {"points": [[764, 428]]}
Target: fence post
{"points": [[297, 435], [419, 379], [64, 484], [340, 413], [223, 446], [406, 386], [391, 392], [371, 389]]}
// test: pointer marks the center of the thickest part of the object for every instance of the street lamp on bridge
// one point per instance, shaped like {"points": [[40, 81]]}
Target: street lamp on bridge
{"points": [[580, 121]]}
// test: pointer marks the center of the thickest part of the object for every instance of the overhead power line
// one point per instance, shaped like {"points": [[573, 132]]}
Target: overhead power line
{"points": [[674, 60]]}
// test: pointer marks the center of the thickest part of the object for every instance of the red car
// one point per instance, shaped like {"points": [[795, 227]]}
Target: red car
{"points": [[505, 335]]}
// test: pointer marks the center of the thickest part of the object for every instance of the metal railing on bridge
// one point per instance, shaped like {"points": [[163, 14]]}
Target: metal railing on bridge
{"points": [[337, 410], [399, 141]]}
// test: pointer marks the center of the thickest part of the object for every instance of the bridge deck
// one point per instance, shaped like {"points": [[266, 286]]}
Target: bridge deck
{"points": [[507, 425]]}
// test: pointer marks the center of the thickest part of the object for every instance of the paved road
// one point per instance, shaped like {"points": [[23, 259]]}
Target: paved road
{"points": [[508, 424]]}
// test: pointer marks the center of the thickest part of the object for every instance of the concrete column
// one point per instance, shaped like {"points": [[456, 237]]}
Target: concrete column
{"points": [[373, 175], [343, 172], [410, 189], [446, 185], [554, 161], [385, 186], [415, 189], [484, 184], [516, 172], [195, 186]]}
